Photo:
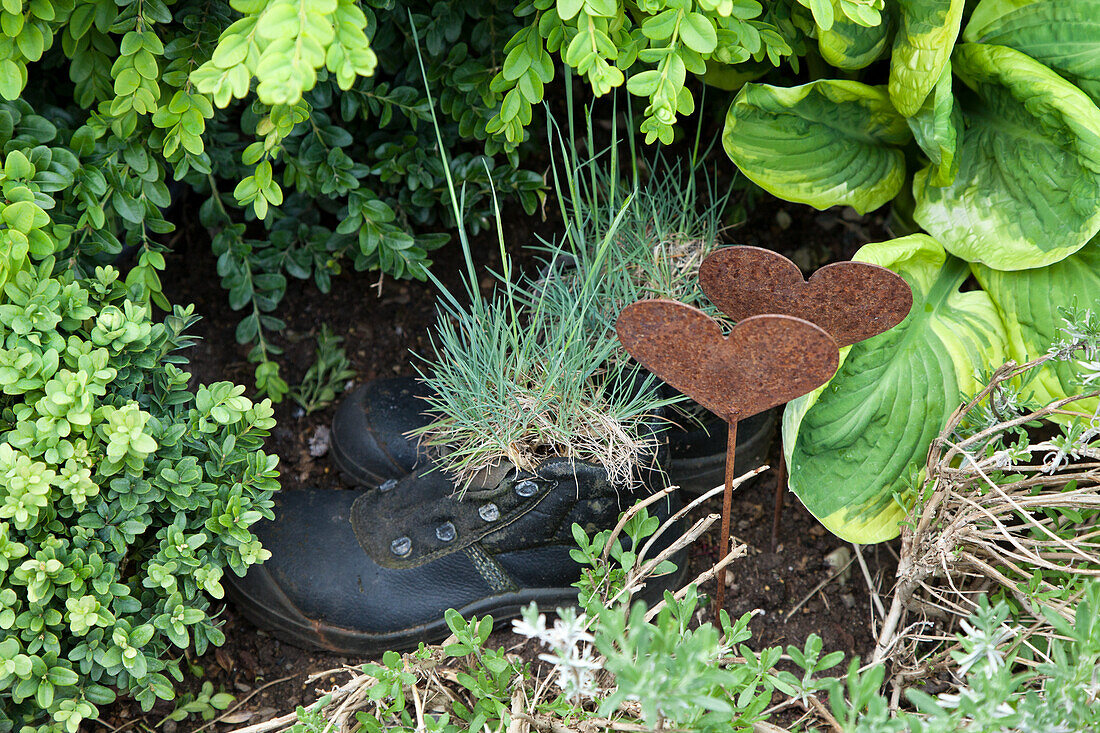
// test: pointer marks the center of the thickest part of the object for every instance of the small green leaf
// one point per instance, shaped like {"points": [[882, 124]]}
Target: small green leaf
{"points": [[63, 677], [20, 216], [567, 9], [12, 78], [698, 33]]}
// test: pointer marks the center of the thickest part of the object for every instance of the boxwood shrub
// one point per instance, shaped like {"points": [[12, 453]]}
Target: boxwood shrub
{"points": [[124, 495]]}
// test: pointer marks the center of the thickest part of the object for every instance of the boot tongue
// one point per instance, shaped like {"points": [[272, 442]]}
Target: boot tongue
{"points": [[488, 481]]}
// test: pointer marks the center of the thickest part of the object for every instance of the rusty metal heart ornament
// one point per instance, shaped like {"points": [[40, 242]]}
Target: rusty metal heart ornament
{"points": [[765, 361], [853, 301]]}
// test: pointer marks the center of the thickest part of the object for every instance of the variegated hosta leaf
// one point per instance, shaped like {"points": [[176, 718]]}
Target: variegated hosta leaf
{"points": [[849, 45], [823, 144], [1027, 190], [937, 127], [1063, 34], [1029, 301], [926, 34], [853, 445]]}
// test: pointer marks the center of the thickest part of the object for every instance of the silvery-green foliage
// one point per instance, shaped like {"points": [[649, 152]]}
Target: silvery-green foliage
{"points": [[1056, 694], [570, 647], [124, 497]]}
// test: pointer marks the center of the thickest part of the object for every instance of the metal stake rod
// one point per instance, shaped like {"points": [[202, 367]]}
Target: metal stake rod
{"points": [[780, 492], [727, 508]]}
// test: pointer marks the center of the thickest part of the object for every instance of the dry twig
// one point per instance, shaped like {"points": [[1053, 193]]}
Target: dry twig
{"points": [[982, 524]]}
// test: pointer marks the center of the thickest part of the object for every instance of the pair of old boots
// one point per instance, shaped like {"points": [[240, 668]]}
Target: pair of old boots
{"points": [[374, 569]]}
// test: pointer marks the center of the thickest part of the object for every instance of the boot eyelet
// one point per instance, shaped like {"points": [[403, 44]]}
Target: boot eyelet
{"points": [[527, 488], [401, 547], [489, 512], [446, 532]]}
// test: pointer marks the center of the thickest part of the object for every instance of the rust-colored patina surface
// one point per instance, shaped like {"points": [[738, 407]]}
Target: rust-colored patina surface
{"points": [[765, 361], [852, 301]]}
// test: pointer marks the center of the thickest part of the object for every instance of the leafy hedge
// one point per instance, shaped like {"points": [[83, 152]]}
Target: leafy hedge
{"points": [[328, 165], [124, 496]]}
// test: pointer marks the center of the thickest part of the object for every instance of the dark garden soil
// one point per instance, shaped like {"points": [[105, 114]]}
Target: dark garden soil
{"points": [[382, 320]]}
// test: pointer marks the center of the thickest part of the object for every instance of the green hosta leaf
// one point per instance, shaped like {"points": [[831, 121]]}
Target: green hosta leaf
{"points": [[824, 143], [852, 444], [1029, 301], [926, 34], [1063, 34], [849, 45], [1029, 165], [937, 128]]}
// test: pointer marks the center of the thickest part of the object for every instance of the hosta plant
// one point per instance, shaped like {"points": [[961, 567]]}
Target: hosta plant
{"points": [[992, 146], [996, 138], [124, 497], [906, 383]]}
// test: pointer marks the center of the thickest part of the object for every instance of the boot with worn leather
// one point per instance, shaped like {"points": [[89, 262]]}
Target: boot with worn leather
{"points": [[370, 440], [361, 572], [371, 445]]}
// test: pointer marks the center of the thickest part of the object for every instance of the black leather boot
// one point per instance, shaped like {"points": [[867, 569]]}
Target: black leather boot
{"points": [[369, 440], [361, 572]]}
